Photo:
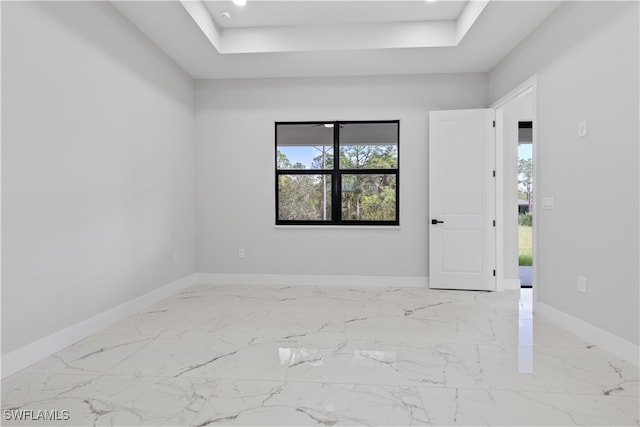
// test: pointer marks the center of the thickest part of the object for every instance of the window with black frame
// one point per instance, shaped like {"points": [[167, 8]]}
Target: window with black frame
{"points": [[358, 186]]}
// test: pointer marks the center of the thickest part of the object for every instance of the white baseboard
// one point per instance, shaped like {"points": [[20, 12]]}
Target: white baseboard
{"points": [[311, 280], [44, 347], [607, 341]]}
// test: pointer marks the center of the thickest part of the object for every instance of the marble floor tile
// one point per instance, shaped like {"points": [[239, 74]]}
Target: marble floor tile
{"points": [[371, 362], [299, 403], [410, 328], [315, 355], [214, 304], [555, 369], [269, 292], [467, 407], [206, 358], [167, 322], [93, 355], [104, 400]]}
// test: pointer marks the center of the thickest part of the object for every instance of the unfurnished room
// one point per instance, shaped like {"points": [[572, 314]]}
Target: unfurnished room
{"points": [[257, 212]]}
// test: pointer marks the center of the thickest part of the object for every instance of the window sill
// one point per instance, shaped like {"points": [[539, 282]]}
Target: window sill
{"points": [[337, 227]]}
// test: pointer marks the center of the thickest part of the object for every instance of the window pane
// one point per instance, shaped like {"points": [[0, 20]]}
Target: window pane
{"points": [[369, 146], [304, 146], [368, 197], [304, 197]]}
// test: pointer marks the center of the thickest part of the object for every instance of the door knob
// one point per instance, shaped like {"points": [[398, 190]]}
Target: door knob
{"points": [[435, 221]]}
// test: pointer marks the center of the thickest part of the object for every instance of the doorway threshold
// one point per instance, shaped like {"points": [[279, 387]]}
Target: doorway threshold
{"points": [[526, 276]]}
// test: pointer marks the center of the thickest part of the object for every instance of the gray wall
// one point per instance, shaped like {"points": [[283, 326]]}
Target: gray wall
{"points": [[586, 59], [97, 166], [235, 206]]}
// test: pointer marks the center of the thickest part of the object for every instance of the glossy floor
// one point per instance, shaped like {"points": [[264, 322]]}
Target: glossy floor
{"points": [[268, 355]]}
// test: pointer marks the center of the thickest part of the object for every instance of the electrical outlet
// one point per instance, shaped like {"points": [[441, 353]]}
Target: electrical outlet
{"points": [[582, 284], [175, 258], [241, 253]]}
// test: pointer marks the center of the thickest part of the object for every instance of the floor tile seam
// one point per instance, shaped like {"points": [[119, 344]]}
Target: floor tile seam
{"points": [[416, 342], [558, 346], [390, 344], [519, 391], [310, 381], [94, 375], [586, 347], [28, 372], [282, 380], [120, 334], [57, 372], [432, 343], [171, 335], [508, 318], [419, 387], [467, 344], [407, 384]]}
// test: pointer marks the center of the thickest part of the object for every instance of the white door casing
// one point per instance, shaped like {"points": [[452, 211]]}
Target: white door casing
{"points": [[462, 196]]}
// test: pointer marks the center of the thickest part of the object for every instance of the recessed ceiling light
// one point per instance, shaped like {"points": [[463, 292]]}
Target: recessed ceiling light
{"points": [[328, 125], [224, 14], [239, 2]]}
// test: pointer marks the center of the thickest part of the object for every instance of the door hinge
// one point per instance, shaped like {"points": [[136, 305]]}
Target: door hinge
{"points": [[494, 273], [494, 222], [494, 123]]}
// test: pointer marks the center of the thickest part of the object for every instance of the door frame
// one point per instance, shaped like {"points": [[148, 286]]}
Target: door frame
{"points": [[529, 85]]}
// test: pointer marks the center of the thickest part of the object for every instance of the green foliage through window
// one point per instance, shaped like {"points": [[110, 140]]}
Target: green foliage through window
{"points": [[362, 188]]}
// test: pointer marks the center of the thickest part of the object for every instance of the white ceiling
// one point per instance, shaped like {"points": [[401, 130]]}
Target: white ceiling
{"points": [[310, 38], [314, 12]]}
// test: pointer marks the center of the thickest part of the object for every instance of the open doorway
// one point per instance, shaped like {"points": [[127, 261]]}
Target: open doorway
{"points": [[525, 203], [515, 141]]}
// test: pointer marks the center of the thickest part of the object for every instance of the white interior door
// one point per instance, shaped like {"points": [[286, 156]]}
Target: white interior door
{"points": [[462, 199]]}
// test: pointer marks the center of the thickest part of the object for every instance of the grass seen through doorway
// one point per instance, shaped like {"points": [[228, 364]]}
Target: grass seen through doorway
{"points": [[525, 245]]}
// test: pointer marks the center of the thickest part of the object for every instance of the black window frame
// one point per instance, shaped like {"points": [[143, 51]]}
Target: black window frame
{"points": [[336, 177]]}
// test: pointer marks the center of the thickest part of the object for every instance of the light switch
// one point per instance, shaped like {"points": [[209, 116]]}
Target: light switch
{"points": [[547, 203], [582, 129]]}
